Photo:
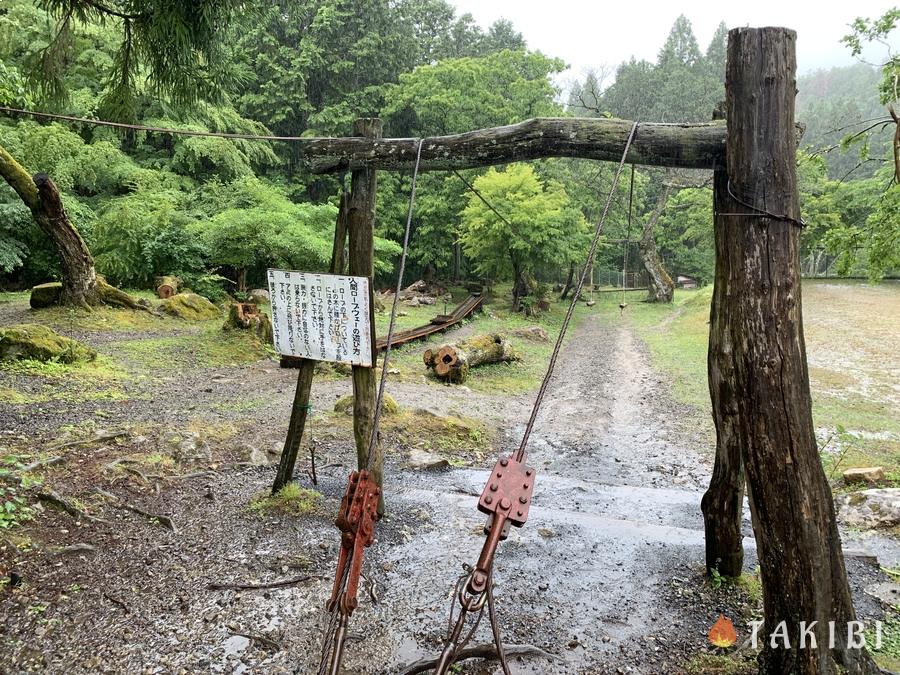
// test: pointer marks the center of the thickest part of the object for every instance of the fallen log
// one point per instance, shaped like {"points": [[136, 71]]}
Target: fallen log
{"points": [[167, 286], [451, 362], [688, 146]]}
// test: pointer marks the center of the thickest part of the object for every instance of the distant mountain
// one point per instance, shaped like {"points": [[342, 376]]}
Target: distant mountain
{"points": [[836, 102]]}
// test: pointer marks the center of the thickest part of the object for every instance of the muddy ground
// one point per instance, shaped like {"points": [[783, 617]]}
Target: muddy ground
{"points": [[607, 575]]}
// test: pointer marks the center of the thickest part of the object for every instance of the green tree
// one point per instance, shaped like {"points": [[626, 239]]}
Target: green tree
{"points": [[539, 227], [686, 240]]}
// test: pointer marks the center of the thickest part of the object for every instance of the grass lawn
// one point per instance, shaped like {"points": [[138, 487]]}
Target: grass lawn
{"points": [[496, 317], [851, 332]]}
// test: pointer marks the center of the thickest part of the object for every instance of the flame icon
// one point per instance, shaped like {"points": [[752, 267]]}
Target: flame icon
{"points": [[722, 632]]}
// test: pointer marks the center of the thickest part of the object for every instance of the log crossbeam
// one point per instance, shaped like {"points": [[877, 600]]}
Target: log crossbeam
{"points": [[687, 146]]}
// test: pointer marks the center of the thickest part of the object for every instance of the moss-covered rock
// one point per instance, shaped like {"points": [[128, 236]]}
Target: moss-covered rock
{"points": [[45, 295], [190, 306], [389, 406], [33, 341]]}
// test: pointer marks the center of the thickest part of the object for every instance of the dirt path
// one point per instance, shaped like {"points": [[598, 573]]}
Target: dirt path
{"points": [[607, 574]]}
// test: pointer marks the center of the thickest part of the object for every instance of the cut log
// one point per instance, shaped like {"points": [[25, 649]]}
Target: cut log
{"points": [[451, 362], [167, 286]]}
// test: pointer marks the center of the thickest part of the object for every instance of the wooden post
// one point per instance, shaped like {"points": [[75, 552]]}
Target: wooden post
{"points": [[768, 398], [723, 503], [361, 225], [300, 406]]}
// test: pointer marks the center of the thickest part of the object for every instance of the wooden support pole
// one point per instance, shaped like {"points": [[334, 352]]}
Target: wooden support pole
{"points": [[687, 146], [723, 503], [361, 225], [300, 406], [768, 397]]}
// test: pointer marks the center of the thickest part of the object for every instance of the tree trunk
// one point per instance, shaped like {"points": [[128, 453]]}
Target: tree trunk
{"points": [[300, 407], [660, 285], [81, 286], [361, 221], [242, 279], [723, 503], [451, 362], [569, 282], [801, 562], [687, 146], [517, 284]]}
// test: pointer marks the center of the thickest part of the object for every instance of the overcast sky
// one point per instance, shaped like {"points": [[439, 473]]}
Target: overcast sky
{"points": [[595, 33]]}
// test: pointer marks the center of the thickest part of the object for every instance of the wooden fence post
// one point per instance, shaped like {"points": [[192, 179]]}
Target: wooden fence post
{"points": [[361, 225], [300, 407], [802, 565]]}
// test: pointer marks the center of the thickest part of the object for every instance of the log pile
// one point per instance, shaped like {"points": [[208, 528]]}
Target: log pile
{"points": [[451, 362]]}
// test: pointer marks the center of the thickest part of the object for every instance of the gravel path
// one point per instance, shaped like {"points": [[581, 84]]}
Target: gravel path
{"points": [[607, 574]]}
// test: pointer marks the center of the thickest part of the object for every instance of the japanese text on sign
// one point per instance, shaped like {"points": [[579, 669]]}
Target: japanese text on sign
{"points": [[324, 317]]}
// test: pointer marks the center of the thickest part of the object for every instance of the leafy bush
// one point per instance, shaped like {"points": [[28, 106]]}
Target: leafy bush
{"points": [[143, 235], [13, 507]]}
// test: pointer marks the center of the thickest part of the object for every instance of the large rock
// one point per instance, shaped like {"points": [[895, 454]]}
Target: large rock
{"points": [[870, 475], [190, 306], [258, 296], [33, 341], [389, 405], [422, 459], [45, 295], [533, 333], [879, 507]]}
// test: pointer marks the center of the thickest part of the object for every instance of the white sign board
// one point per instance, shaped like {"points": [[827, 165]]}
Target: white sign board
{"points": [[324, 317]]}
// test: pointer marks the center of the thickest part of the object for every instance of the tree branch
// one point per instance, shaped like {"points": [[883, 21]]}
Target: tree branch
{"points": [[19, 179]]}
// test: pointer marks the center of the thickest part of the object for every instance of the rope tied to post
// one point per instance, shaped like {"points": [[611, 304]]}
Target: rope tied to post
{"points": [[506, 497], [358, 512]]}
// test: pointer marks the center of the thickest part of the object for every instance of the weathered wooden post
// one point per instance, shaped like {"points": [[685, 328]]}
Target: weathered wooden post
{"points": [[300, 407], [758, 367], [361, 226]]}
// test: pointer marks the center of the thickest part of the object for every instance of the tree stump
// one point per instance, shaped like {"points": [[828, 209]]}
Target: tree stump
{"points": [[451, 362], [246, 316]]}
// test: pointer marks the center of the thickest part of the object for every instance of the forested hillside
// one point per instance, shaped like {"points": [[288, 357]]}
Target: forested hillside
{"points": [[218, 211]]}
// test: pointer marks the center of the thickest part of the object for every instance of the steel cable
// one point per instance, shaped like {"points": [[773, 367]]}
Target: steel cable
{"points": [[520, 454]]}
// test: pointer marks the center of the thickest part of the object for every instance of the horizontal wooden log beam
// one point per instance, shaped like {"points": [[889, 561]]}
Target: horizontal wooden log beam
{"points": [[687, 146]]}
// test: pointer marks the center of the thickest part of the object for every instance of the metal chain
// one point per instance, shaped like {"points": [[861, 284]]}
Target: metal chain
{"points": [[373, 439], [520, 454]]}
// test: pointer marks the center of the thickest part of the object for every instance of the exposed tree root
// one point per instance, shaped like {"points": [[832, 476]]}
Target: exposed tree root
{"points": [[51, 497], [259, 587], [262, 640], [483, 651], [165, 521]]}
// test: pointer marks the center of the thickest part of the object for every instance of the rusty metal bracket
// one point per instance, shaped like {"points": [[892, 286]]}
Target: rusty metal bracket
{"points": [[506, 499], [356, 521]]}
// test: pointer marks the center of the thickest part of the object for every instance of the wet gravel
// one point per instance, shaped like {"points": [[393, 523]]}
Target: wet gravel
{"points": [[607, 575]]}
